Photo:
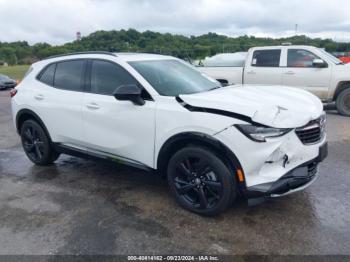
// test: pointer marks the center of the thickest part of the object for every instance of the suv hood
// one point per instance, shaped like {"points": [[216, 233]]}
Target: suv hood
{"points": [[274, 106]]}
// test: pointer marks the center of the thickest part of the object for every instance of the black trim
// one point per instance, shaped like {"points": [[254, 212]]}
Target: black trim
{"points": [[217, 112], [294, 179], [87, 76], [82, 79], [64, 149], [82, 53]]}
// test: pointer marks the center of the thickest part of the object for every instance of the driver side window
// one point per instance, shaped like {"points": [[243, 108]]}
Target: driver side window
{"points": [[107, 76], [300, 58]]}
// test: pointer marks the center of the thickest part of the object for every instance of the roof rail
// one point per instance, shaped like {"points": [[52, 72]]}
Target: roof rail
{"points": [[82, 53]]}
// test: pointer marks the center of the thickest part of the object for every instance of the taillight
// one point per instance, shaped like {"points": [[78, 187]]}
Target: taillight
{"points": [[13, 92]]}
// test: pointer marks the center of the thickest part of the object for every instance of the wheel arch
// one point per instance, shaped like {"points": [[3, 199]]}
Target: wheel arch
{"points": [[26, 114], [181, 140], [341, 87]]}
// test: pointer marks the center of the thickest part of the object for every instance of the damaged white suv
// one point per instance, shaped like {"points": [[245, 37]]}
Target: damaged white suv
{"points": [[158, 113]]}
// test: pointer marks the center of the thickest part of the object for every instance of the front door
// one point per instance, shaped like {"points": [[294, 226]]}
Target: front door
{"points": [[112, 127], [300, 72]]}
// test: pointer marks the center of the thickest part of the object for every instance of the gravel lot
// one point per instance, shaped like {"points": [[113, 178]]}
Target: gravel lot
{"points": [[83, 207]]}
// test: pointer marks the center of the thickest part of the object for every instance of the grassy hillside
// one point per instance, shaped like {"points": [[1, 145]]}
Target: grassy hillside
{"points": [[15, 72], [131, 40]]}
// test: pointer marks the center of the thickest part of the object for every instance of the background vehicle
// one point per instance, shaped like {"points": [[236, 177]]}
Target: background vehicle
{"points": [[225, 60], [6, 82], [345, 59], [306, 67], [158, 113]]}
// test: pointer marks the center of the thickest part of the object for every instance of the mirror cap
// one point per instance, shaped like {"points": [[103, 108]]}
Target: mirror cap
{"points": [[129, 92], [319, 62], [131, 89]]}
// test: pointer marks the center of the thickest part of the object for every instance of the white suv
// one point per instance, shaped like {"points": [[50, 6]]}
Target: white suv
{"points": [[158, 113]]}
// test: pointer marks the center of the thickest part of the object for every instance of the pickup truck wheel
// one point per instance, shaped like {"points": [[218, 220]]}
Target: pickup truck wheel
{"points": [[36, 144], [343, 102], [200, 181]]}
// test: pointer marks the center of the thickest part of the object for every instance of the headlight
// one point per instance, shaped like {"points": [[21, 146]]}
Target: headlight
{"points": [[259, 133]]}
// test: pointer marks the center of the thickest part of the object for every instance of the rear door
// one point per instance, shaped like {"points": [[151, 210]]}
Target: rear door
{"points": [[300, 72], [114, 128], [59, 100], [263, 67]]}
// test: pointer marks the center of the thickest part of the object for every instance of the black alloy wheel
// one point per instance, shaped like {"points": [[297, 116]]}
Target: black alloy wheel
{"points": [[200, 181], [36, 144]]}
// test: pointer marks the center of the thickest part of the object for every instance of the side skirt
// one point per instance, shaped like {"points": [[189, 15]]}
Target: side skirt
{"points": [[78, 152]]}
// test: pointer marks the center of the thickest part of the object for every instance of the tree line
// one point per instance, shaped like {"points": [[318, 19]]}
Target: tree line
{"points": [[192, 47]]}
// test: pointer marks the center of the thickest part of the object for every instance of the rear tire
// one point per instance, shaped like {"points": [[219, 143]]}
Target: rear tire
{"points": [[200, 181], [343, 102], [36, 144]]}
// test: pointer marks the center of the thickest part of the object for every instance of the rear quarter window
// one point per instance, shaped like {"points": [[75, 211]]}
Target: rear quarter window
{"points": [[48, 74]]}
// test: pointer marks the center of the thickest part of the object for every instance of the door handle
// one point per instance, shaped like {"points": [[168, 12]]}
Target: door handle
{"points": [[39, 97], [251, 72], [290, 73], [93, 106]]}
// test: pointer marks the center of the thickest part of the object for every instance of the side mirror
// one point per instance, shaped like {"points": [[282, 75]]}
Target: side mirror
{"points": [[129, 92], [223, 82], [319, 63]]}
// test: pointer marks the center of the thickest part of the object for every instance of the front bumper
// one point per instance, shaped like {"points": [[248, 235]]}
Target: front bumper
{"points": [[295, 180]]}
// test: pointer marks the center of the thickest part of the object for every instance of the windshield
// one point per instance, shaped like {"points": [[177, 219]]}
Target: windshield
{"points": [[173, 78], [331, 57]]}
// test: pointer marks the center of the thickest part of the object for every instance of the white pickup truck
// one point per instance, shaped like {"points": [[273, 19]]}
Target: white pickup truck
{"points": [[306, 67]]}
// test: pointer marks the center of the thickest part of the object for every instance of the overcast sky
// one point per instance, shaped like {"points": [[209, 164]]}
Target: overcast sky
{"points": [[57, 22]]}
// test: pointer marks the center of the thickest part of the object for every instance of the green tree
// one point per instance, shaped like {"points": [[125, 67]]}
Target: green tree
{"points": [[8, 55], [196, 47]]}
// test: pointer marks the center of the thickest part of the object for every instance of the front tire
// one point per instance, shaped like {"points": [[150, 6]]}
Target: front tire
{"points": [[343, 102], [200, 181], [36, 144]]}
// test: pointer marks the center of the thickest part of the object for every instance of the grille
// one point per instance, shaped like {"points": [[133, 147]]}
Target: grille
{"points": [[313, 132]]}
